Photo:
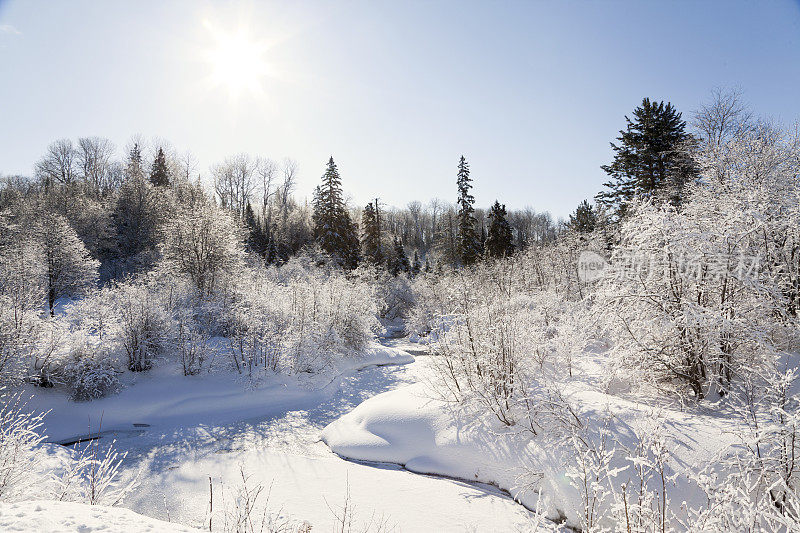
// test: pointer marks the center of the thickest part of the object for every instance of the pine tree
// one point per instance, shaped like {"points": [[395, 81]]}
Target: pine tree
{"points": [[416, 266], [651, 159], [371, 233], [400, 261], [257, 240], [159, 175], [334, 230], [273, 256], [134, 167], [500, 240], [584, 219], [468, 245], [428, 269]]}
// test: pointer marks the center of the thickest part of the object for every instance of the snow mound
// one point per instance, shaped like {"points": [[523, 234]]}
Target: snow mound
{"points": [[409, 427], [68, 517], [376, 354]]}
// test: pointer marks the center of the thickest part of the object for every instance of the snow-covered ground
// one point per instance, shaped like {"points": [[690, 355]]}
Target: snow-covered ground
{"points": [[408, 426], [67, 517], [180, 431]]}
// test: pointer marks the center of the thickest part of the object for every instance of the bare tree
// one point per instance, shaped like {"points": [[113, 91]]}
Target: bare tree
{"points": [[94, 161], [267, 171], [58, 164], [188, 166], [233, 182], [724, 118]]}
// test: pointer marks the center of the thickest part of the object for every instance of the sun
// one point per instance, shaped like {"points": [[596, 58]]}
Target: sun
{"points": [[237, 61]]}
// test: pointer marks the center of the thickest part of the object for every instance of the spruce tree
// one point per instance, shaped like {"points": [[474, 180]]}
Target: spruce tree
{"points": [[400, 261], [134, 166], [500, 240], [159, 175], [371, 234], [273, 256], [257, 240], [651, 159], [584, 219], [468, 245], [416, 266], [334, 230]]}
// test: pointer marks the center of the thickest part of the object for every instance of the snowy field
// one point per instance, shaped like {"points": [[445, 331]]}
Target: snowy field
{"points": [[180, 431]]}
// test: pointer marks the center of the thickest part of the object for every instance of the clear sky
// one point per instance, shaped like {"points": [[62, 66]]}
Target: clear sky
{"points": [[530, 92]]}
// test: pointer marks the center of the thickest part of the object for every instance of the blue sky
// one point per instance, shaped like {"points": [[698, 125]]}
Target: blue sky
{"points": [[531, 92]]}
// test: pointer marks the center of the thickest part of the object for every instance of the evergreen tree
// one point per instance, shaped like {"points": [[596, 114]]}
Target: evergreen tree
{"points": [[427, 267], [500, 240], [416, 266], [273, 255], [134, 167], [400, 261], [257, 240], [371, 233], [159, 175], [468, 245], [584, 219], [334, 230], [651, 159]]}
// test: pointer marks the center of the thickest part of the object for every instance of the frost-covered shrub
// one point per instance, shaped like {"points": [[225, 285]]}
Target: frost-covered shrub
{"points": [[144, 325], [46, 355], [298, 320], [19, 437], [497, 334], [89, 373], [689, 300], [394, 295], [697, 297], [193, 348]]}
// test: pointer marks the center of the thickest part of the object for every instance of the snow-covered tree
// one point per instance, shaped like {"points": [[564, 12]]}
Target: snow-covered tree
{"points": [[69, 269], [203, 243]]}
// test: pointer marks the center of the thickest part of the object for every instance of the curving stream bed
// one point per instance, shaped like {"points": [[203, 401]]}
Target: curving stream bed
{"points": [[301, 478]]}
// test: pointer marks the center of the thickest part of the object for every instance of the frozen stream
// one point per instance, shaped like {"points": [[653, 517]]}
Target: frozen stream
{"points": [[305, 479]]}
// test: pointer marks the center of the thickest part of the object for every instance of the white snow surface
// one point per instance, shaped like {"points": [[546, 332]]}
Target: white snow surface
{"points": [[68, 517], [179, 431], [165, 398], [409, 426]]}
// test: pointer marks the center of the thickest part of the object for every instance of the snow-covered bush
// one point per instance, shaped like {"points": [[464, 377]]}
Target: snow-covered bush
{"points": [[19, 437], [298, 320], [394, 294], [193, 348], [89, 373], [755, 484], [696, 296], [497, 328], [144, 324]]}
